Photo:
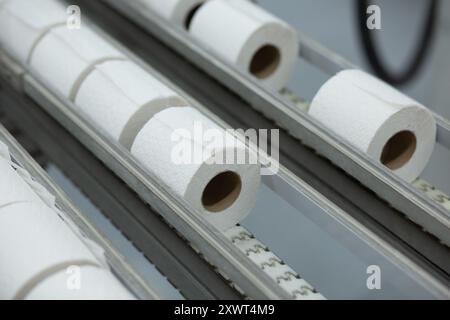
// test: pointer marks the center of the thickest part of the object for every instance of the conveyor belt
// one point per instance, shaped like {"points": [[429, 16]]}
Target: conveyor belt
{"points": [[345, 191]]}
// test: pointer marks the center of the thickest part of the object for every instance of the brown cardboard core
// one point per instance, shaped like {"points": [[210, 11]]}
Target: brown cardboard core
{"points": [[222, 191], [398, 150], [265, 61], [190, 15]]}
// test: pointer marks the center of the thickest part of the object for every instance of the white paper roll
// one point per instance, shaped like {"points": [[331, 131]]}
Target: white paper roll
{"points": [[23, 22], [120, 97], [64, 57], [179, 12], [85, 283], [12, 187], [34, 241], [249, 37], [379, 120], [223, 193]]}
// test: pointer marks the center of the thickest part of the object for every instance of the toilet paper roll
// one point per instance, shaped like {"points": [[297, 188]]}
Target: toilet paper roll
{"points": [[84, 283], [35, 242], [224, 192], [387, 125], [24, 22], [64, 57], [248, 37], [13, 188], [120, 97], [180, 12]]}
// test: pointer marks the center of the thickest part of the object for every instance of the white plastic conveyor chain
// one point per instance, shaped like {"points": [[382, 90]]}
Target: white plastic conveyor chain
{"points": [[296, 100], [272, 265], [433, 193]]}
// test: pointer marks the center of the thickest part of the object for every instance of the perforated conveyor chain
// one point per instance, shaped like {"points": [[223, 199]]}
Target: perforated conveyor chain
{"points": [[272, 265]]}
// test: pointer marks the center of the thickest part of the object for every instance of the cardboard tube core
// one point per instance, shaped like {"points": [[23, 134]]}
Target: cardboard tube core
{"points": [[399, 150], [265, 61], [222, 191]]}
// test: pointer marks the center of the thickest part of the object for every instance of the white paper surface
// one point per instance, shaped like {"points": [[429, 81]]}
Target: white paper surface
{"points": [[154, 148], [35, 241], [237, 29], [23, 22], [64, 57], [176, 11], [368, 113], [120, 97], [85, 283], [13, 188]]}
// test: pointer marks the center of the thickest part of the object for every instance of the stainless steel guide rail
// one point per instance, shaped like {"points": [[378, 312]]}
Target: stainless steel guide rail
{"points": [[121, 267], [170, 51]]}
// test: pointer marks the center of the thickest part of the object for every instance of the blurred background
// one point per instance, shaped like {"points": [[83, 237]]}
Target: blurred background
{"points": [[335, 25]]}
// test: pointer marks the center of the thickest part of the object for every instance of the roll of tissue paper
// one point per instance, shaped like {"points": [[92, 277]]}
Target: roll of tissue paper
{"points": [[248, 37], [120, 97], [35, 242], [390, 127], [64, 57], [178, 146], [12, 188], [24, 22], [179, 12], [84, 283]]}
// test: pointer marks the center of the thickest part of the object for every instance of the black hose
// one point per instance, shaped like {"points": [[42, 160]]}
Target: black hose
{"points": [[423, 46]]}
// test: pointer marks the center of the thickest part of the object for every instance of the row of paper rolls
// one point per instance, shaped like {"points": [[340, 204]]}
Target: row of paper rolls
{"points": [[136, 109], [39, 251], [121, 98], [131, 106], [387, 125], [238, 31], [377, 119]]}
